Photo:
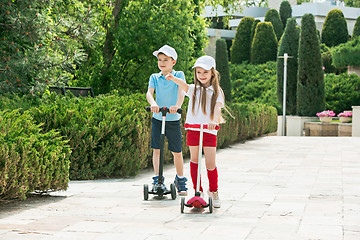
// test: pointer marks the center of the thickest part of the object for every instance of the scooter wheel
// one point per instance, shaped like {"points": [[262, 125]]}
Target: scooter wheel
{"points": [[210, 205], [146, 192], [182, 204], [173, 191]]}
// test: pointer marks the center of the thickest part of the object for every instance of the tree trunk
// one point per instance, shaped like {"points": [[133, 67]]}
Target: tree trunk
{"points": [[109, 51]]}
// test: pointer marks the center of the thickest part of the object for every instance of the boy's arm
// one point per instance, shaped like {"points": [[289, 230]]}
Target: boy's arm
{"points": [[179, 102], [150, 98], [178, 81]]}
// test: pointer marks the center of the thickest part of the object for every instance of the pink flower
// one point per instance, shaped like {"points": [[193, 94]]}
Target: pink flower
{"points": [[326, 113], [345, 114]]}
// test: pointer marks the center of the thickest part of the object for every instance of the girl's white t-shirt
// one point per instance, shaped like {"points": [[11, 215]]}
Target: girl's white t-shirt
{"points": [[199, 117]]}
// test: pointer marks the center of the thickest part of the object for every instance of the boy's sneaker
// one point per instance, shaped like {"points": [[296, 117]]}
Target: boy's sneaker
{"points": [[155, 183], [215, 199], [180, 184]]}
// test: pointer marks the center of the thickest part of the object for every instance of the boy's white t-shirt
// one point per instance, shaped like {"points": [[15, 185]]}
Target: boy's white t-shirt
{"points": [[199, 117]]}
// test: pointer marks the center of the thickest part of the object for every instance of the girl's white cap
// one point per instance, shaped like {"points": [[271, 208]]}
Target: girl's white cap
{"points": [[167, 50], [205, 62]]}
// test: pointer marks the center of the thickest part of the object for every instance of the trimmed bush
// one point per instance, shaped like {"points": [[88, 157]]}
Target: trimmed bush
{"points": [[30, 160], [347, 54], [356, 31], [253, 28], [342, 91], [289, 44], [334, 30], [272, 16], [285, 12], [310, 88], [240, 50], [222, 65], [264, 45], [109, 136]]}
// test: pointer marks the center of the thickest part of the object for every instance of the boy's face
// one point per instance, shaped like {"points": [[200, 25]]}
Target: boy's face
{"points": [[165, 63]]}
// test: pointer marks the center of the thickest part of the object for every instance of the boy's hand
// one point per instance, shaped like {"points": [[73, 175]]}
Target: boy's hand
{"points": [[212, 125], [169, 76], [173, 109], [155, 108]]}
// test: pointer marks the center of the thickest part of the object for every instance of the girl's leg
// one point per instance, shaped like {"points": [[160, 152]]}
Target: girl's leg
{"points": [[194, 153], [210, 154]]}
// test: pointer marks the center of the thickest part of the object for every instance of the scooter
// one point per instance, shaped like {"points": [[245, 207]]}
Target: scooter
{"points": [[160, 188], [197, 201]]}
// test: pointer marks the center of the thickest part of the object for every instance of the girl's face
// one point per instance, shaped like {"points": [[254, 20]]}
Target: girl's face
{"points": [[203, 76], [165, 63]]}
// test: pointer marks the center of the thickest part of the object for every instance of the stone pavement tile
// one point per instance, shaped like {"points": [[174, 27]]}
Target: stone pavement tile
{"points": [[321, 232]]}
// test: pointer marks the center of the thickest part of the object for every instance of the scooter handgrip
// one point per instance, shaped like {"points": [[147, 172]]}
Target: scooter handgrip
{"points": [[179, 110], [148, 109], [205, 126]]}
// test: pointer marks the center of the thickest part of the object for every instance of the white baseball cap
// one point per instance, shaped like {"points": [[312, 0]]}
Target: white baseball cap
{"points": [[205, 62], [167, 50]]}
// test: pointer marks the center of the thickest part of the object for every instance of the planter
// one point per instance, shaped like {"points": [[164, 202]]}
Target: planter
{"points": [[345, 119], [325, 119]]}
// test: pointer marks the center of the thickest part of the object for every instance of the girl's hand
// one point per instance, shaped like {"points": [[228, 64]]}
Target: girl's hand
{"points": [[155, 108], [212, 125], [169, 76], [173, 109]]}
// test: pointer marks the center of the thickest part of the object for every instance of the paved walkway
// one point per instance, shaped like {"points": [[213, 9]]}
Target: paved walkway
{"points": [[272, 188]]}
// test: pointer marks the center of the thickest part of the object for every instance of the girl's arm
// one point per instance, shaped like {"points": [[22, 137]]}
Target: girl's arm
{"points": [[178, 81], [217, 116]]}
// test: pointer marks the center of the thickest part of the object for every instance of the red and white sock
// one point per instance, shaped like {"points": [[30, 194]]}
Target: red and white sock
{"points": [[213, 179], [193, 173]]}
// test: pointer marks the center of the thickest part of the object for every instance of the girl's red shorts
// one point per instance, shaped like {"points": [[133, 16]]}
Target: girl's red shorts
{"points": [[193, 137]]}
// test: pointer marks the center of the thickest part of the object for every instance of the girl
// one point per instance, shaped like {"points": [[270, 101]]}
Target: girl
{"points": [[206, 101]]}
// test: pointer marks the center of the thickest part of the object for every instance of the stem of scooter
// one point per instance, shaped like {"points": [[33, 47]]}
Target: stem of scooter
{"points": [[164, 111], [201, 127]]}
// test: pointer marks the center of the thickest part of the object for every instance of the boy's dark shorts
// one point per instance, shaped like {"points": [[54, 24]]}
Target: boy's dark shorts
{"points": [[172, 133]]}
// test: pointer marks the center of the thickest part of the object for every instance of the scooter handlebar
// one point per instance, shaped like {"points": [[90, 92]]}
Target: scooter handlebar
{"points": [[164, 109], [205, 126]]}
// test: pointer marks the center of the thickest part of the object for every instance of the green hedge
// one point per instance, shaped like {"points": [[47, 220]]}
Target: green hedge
{"points": [[30, 160], [342, 92], [255, 83], [109, 136]]}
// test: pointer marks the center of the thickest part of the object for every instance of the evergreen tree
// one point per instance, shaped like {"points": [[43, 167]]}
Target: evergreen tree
{"points": [[272, 16], [240, 50], [264, 45], [289, 44], [334, 30], [311, 87], [356, 31], [222, 65], [285, 12]]}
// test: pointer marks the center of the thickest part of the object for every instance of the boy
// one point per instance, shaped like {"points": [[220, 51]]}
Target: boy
{"points": [[168, 94]]}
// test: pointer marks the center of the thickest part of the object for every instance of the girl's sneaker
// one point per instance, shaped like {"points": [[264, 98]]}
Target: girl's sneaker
{"points": [[180, 184], [215, 198]]}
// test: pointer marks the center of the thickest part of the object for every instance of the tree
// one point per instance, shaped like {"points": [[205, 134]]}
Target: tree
{"points": [[222, 65], [41, 43], [272, 16], [334, 30], [240, 50], [285, 12], [289, 44], [264, 45], [356, 31], [311, 87]]}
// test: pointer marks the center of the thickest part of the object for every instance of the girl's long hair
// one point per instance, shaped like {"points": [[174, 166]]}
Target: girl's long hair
{"points": [[214, 82]]}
